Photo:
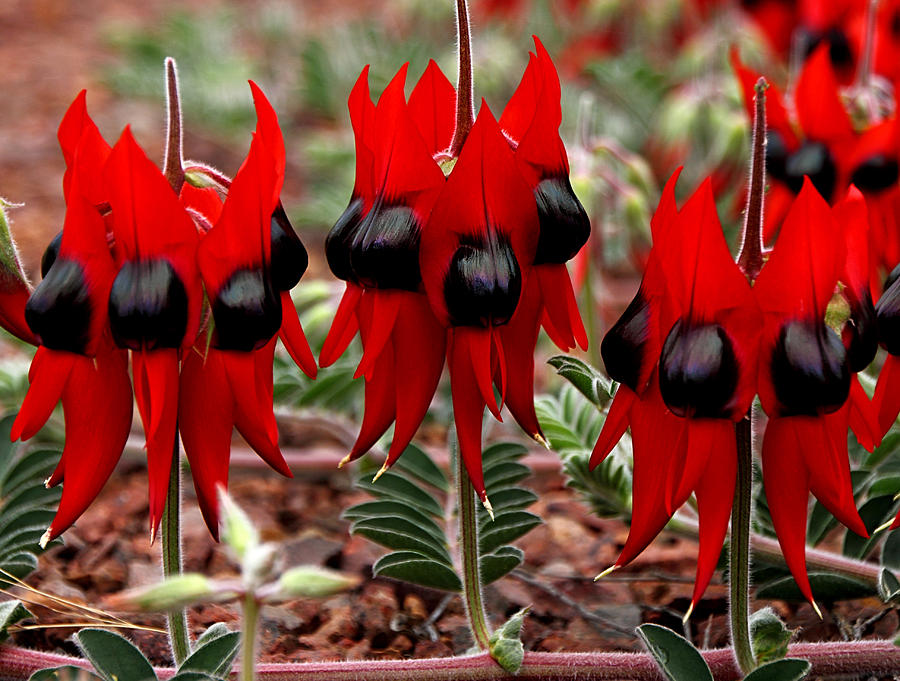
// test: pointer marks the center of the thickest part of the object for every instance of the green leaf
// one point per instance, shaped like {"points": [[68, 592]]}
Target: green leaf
{"points": [[506, 644], [37, 466], [512, 499], [65, 673], [393, 486], [213, 656], [419, 465], [590, 382], [418, 569], [10, 613], [194, 676], [502, 451], [769, 634], [506, 527], [676, 657], [395, 509], [499, 563], [215, 631], [504, 474], [113, 656], [401, 535], [888, 586], [873, 513], [890, 551], [789, 669], [827, 587]]}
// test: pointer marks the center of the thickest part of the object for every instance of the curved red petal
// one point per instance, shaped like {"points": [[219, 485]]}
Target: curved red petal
{"points": [[385, 305], [343, 327], [468, 408], [362, 118], [820, 111], [887, 393], [776, 114], [432, 105], [48, 374], [615, 425], [863, 416], [519, 338], [291, 334]]}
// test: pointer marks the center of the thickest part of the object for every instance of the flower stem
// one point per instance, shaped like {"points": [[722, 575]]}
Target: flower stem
{"points": [[171, 557], [465, 87], [739, 550], [864, 70], [469, 556], [172, 164], [750, 257], [248, 637]]}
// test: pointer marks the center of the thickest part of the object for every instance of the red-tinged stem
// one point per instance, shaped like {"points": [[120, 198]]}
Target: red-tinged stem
{"points": [[172, 165], [750, 258], [465, 88], [832, 660], [179, 639], [739, 549]]}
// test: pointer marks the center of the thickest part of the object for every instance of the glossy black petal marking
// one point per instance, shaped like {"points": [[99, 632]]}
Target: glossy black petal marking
{"points": [[385, 249], [565, 226], [289, 257], [887, 311], [698, 371], [623, 348], [839, 52], [148, 306], [59, 310], [776, 155], [809, 369], [483, 284], [860, 333], [876, 173], [247, 311], [814, 160], [51, 253], [340, 238]]}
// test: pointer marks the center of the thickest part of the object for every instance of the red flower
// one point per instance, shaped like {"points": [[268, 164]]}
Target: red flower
{"points": [[685, 353]]}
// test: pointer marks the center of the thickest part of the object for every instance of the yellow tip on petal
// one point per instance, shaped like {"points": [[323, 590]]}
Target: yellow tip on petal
{"points": [[45, 539], [882, 528], [380, 472], [343, 461], [488, 508], [816, 608], [540, 439], [897, 496], [687, 615], [152, 535], [47, 483], [607, 571]]}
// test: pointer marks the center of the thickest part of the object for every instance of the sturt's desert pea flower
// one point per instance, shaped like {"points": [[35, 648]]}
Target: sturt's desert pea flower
{"points": [[698, 343], [454, 243], [126, 277]]}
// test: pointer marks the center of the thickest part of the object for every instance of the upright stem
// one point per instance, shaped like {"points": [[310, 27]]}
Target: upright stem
{"points": [[248, 638], [750, 257], [173, 164], [469, 556], [739, 549], [465, 89], [171, 557], [864, 70]]}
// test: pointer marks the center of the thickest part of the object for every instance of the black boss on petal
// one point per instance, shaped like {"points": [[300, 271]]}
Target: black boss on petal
{"points": [[809, 369], [623, 347], [483, 284], [698, 371], [860, 334], [289, 257], [340, 238], [813, 160], [385, 249], [148, 306], [875, 174], [565, 226], [51, 253], [887, 312], [247, 311], [59, 310]]}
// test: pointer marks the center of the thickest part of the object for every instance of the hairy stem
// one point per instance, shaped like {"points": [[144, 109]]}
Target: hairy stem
{"points": [[179, 641], [465, 88], [739, 550], [248, 637], [469, 557], [750, 257], [172, 165]]}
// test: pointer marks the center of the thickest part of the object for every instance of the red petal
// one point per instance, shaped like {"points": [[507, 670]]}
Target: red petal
{"points": [[558, 299], [519, 338], [384, 305], [519, 111], [343, 327], [863, 416], [156, 392], [48, 375], [269, 132], [380, 411], [362, 117], [419, 344], [98, 406], [432, 105], [291, 334], [820, 111], [12, 311], [615, 425], [776, 114], [79, 134], [468, 407], [205, 422], [851, 214], [887, 393]]}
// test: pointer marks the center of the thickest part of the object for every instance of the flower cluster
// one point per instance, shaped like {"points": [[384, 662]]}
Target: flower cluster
{"points": [[127, 278], [698, 343], [455, 252]]}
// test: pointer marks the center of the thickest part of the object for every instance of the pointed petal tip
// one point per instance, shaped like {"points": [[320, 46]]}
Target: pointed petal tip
{"points": [[882, 528], [607, 571], [347, 459], [381, 471], [45, 538], [815, 606], [541, 440], [152, 534], [687, 615], [47, 483], [487, 507]]}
